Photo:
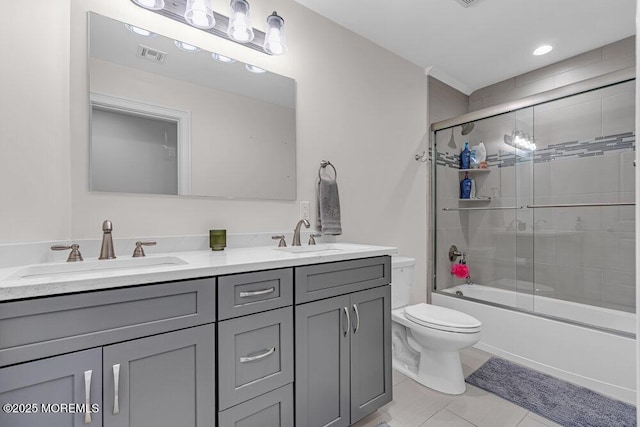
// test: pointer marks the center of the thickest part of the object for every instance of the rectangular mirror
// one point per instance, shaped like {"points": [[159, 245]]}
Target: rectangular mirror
{"points": [[168, 118]]}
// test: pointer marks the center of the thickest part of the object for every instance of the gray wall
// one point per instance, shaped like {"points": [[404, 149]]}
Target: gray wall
{"points": [[612, 57]]}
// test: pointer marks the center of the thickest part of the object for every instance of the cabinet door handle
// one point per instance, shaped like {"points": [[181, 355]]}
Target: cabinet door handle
{"points": [[116, 381], [246, 359], [355, 310], [346, 331], [87, 396], [247, 294]]}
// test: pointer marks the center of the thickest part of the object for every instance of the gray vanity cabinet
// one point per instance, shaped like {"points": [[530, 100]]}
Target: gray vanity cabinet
{"points": [[40, 388], [343, 358], [166, 380]]}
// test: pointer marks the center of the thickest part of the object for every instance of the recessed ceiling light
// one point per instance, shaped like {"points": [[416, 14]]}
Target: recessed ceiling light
{"points": [[139, 31], [186, 46], [255, 69], [545, 48], [223, 58]]}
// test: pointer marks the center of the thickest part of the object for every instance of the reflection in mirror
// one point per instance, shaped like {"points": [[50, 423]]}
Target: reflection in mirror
{"points": [[170, 118]]}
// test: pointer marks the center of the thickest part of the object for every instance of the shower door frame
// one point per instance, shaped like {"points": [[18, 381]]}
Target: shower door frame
{"points": [[600, 82]]}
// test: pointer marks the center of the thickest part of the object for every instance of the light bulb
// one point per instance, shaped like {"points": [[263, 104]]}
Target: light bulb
{"points": [[199, 14], [139, 31], [254, 69], [240, 28], [542, 50], [223, 58], [150, 4], [275, 41], [186, 46]]}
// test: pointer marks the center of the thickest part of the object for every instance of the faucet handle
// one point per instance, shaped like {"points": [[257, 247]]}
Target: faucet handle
{"points": [[281, 243], [312, 238], [74, 255], [138, 251]]}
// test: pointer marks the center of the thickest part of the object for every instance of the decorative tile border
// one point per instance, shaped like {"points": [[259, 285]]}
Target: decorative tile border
{"points": [[598, 146]]}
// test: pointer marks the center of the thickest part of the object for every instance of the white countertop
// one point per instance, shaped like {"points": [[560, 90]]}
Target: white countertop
{"points": [[18, 283]]}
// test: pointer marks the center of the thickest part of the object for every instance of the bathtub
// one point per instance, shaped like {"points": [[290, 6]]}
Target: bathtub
{"points": [[599, 359]]}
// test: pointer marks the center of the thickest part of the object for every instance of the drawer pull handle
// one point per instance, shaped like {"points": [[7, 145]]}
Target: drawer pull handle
{"points": [[116, 380], [257, 356], [346, 331], [247, 294], [87, 396], [355, 310]]}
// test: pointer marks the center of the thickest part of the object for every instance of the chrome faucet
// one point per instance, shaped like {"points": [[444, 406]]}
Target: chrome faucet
{"points": [[296, 232], [106, 251]]}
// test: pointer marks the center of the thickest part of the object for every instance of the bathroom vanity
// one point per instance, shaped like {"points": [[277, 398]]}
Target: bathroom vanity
{"points": [[245, 338]]}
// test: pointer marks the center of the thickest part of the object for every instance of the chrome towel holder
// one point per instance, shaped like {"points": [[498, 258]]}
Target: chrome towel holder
{"points": [[324, 164]]}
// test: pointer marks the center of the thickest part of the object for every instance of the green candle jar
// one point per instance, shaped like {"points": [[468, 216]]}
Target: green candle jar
{"points": [[217, 239]]}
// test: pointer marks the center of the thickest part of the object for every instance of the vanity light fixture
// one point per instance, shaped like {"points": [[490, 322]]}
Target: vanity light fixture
{"points": [[240, 28], [275, 41], [254, 69], [520, 140], [150, 4], [199, 14], [222, 58], [542, 50], [139, 31], [237, 27], [186, 46]]}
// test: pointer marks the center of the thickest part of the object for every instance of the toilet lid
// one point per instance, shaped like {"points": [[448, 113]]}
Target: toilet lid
{"points": [[442, 318]]}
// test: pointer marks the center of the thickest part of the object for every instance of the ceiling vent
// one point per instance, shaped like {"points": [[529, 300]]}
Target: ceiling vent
{"points": [[151, 54], [466, 3]]}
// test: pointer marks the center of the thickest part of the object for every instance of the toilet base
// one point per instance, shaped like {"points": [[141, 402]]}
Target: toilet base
{"points": [[441, 371]]}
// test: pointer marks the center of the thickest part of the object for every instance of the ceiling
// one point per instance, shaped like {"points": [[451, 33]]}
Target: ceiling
{"points": [[490, 41]]}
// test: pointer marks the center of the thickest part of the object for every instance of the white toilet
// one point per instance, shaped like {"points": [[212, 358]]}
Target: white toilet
{"points": [[426, 338]]}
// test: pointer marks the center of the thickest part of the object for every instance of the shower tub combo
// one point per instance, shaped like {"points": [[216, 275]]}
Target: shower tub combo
{"points": [[549, 237]]}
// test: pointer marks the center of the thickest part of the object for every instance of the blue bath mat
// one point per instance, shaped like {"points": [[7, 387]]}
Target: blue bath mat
{"points": [[566, 404]]}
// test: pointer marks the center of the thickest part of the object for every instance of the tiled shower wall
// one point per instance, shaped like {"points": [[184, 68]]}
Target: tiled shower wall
{"points": [[585, 154]]}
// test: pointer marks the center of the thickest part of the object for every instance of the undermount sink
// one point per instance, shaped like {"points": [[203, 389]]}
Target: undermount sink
{"points": [[86, 267], [325, 247]]}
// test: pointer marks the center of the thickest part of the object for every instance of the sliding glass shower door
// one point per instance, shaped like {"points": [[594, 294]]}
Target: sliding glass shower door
{"points": [[549, 227]]}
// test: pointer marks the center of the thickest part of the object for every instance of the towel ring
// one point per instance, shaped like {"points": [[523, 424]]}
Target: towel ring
{"points": [[324, 164]]}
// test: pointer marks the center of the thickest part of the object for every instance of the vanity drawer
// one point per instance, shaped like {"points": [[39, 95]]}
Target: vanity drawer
{"points": [[319, 281], [248, 293], [255, 355], [272, 409], [37, 328]]}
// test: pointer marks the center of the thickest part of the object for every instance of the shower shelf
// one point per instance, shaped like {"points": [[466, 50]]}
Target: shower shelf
{"points": [[495, 208], [477, 199], [474, 170]]}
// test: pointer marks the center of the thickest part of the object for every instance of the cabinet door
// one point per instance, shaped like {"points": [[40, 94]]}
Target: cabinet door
{"points": [[371, 386], [322, 363], [43, 386], [165, 380]]}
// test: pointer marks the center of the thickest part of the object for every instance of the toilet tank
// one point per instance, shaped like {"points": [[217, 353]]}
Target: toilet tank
{"points": [[402, 269]]}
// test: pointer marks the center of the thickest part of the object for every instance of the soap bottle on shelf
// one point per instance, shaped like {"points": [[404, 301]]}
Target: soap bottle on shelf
{"points": [[465, 157], [465, 187]]}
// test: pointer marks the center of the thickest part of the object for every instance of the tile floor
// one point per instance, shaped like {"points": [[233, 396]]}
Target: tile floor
{"points": [[414, 405]]}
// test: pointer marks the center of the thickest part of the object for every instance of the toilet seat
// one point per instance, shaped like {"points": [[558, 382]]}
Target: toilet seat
{"points": [[442, 318]]}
